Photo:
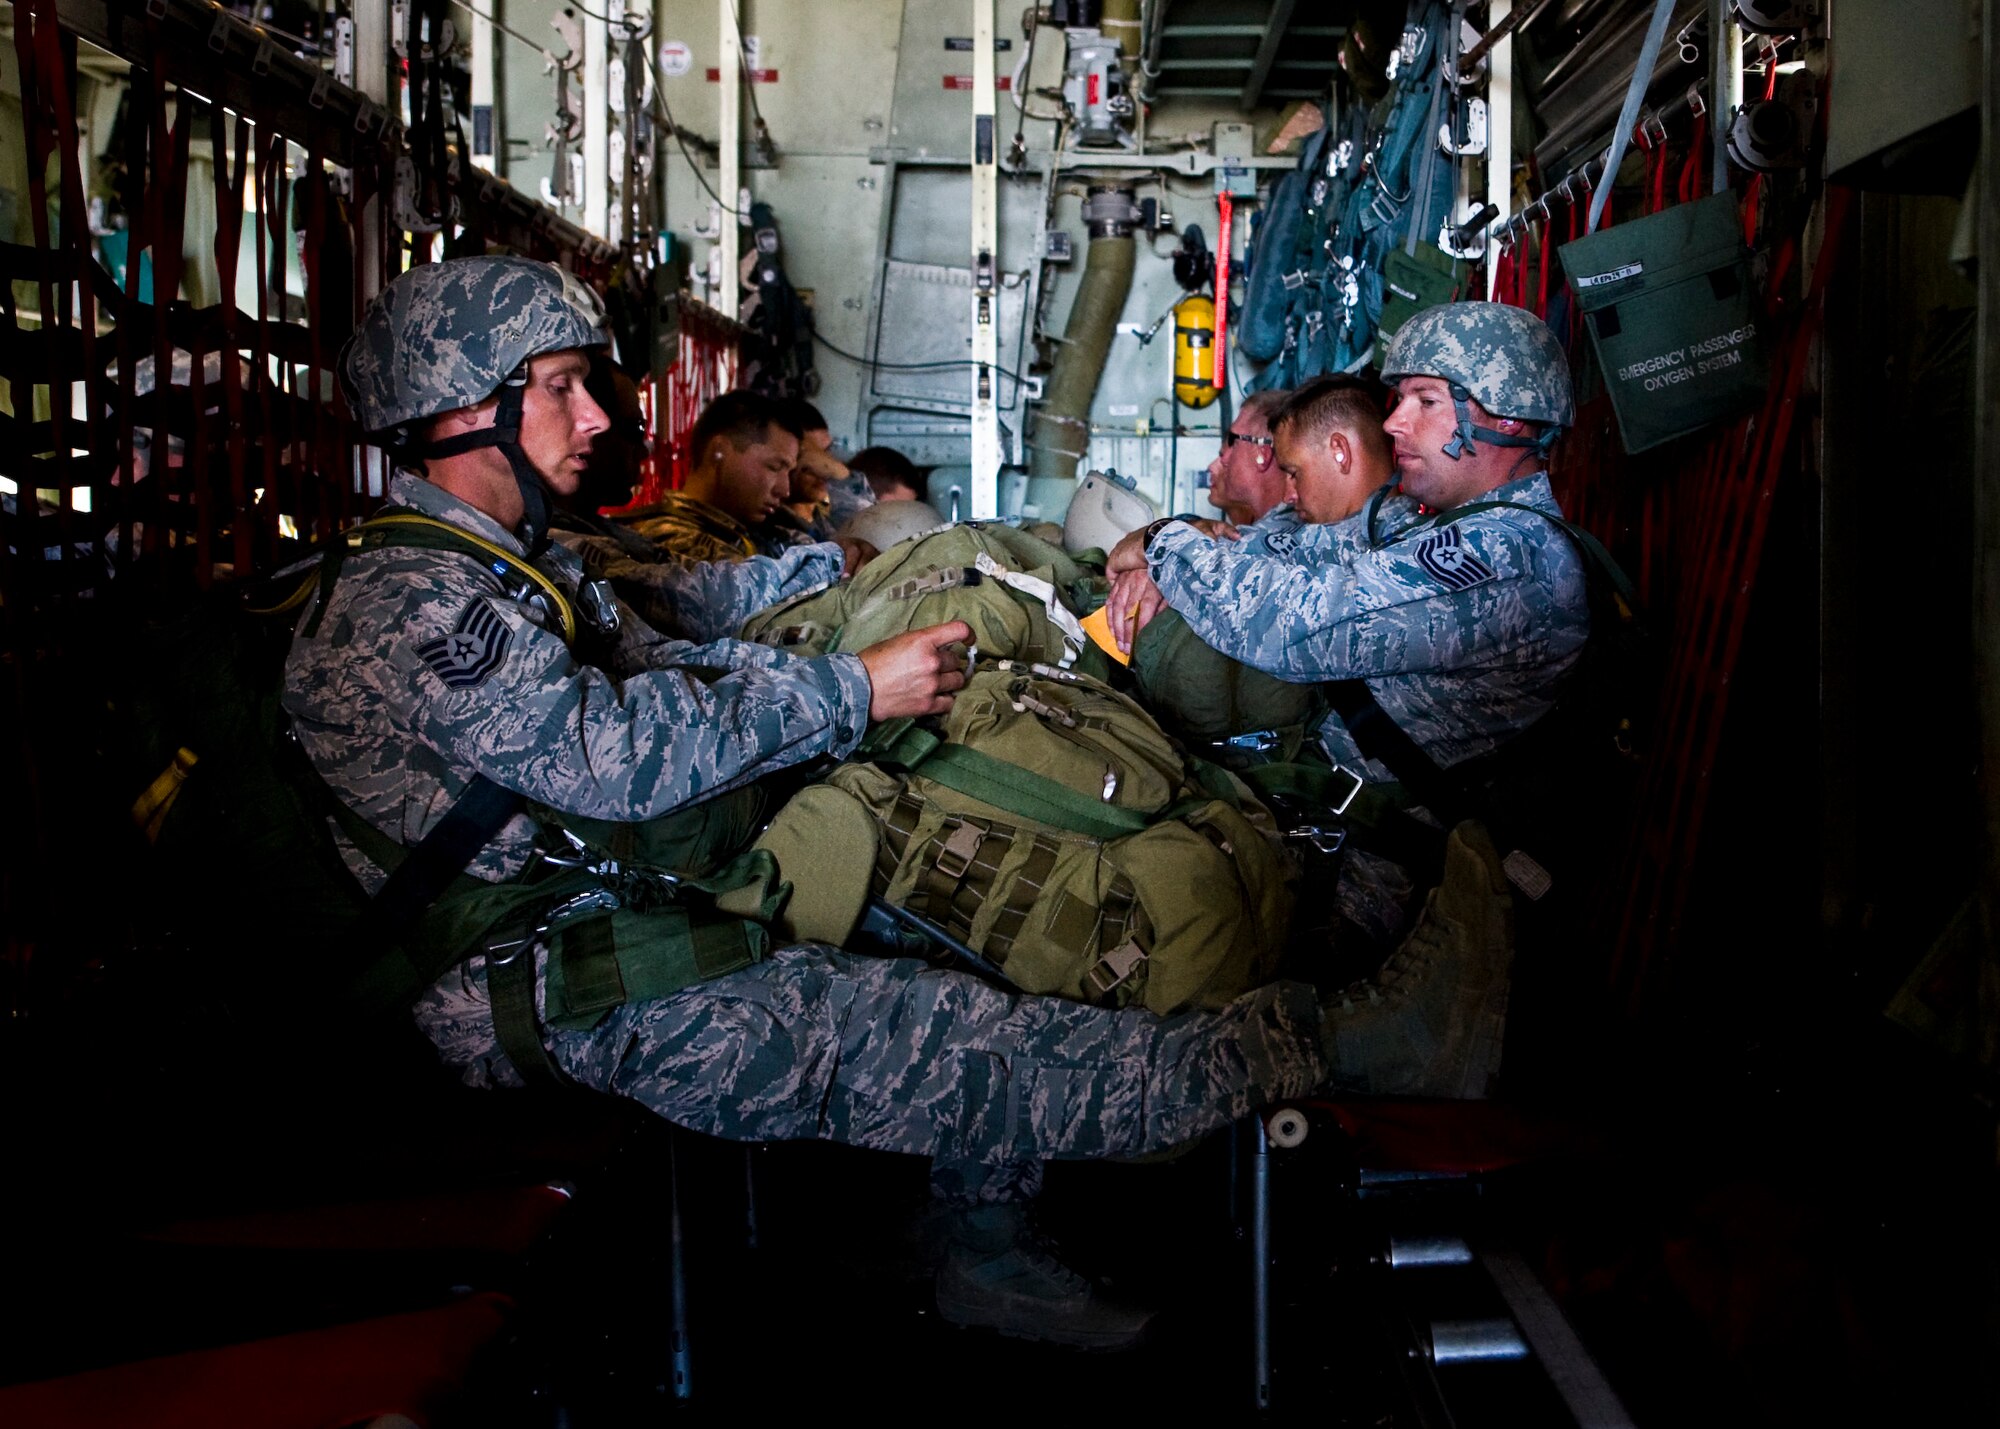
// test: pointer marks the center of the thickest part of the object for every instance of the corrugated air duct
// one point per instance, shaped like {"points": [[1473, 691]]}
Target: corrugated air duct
{"points": [[1062, 427]]}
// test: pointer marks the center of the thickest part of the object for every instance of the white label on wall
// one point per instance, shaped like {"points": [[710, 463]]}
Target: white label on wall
{"points": [[676, 58]]}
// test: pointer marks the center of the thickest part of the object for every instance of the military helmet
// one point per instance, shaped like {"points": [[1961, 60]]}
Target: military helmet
{"points": [[1503, 356], [449, 335], [1105, 507], [888, 522]]}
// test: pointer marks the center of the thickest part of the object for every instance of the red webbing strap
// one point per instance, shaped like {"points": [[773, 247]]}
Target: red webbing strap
{"points": [[1543, 244], [1656, 177], [319, 446], [1695, 169], [47, 59], [230, 179], [165, 199], [141, 97], [268, 246]]}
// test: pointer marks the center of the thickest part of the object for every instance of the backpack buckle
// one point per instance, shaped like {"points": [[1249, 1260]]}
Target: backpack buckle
{"points": [[957, 854], [1323, 840]]}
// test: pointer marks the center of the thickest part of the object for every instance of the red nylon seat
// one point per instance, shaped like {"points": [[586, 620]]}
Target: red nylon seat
{"points": [[1447, 1137], [409, 1364], [496, 1220]]}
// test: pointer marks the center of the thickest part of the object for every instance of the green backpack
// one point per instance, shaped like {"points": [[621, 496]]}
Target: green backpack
{"points": [[1013, 589], [1050, 826]]}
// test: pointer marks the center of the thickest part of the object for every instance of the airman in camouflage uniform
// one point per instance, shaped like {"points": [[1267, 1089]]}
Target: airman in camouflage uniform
{"points": [[692, 600], [1462, 630], [428, 668]]}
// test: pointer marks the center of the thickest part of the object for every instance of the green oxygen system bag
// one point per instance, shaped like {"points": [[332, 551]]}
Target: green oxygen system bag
{"points": [[1669, 306]]}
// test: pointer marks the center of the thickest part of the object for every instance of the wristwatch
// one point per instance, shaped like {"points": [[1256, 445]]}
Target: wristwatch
{"points": [[1154, 529]]}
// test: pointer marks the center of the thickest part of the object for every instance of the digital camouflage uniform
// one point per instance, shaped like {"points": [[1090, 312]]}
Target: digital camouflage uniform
{"points": [[1462, 632], [692, 530], [425, 671], [700, 600]]}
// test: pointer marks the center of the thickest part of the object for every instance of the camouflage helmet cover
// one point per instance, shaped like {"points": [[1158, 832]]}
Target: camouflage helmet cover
{"points": [[448, 335], [1505, 356]]}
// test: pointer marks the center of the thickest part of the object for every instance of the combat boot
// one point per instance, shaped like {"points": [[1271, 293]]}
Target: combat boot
{"points": [[1429, 1021], [1001, 1273]]}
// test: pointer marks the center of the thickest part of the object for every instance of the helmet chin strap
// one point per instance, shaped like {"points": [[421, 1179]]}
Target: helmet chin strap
{"points": [[1468, 434], [505, 433]]}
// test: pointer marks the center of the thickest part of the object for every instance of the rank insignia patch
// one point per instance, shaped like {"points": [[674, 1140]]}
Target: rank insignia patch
{"points": [[467, 658], [1281, 543], [1445, 555]]}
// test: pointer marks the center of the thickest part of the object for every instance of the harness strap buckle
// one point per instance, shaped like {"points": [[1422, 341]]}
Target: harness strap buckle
{"points": [[1115, 967], [956, 856]]}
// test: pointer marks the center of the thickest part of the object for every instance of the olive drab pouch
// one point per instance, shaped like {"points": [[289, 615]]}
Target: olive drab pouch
{"points": [[1669, 306], [1411, 282], [1230, 712], [1010, 587], [1051, 826]]}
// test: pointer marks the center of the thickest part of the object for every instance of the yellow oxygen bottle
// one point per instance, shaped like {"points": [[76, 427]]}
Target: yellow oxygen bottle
{"points": [[1194, 350]]}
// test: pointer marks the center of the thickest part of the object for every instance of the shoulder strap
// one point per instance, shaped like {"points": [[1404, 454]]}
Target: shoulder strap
{"points": [[398, 526], [419, 875], [1381, 739], [1588, 546]]}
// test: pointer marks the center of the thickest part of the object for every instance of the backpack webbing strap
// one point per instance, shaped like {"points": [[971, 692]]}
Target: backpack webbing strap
{"points": [[994, 781], [510, 988], [1021, 897], [962, 862], [1032, 796]]}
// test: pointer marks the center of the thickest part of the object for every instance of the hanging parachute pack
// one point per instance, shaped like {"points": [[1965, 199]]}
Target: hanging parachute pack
{"points": [[1013, 589], [238, 819], [1405, 187]]}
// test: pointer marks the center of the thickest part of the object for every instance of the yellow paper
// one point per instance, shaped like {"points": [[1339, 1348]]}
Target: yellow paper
{"points": [[1098, 627]]}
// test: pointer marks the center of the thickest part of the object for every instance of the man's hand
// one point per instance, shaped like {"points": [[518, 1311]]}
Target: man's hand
{"points": [[1130, 552], [854, 555], [913, 673], [1133, 602], [1128, 555]]}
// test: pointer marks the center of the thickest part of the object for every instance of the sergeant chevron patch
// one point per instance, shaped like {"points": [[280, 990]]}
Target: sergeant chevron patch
{"points": [[467, 658], [1445, 555]]}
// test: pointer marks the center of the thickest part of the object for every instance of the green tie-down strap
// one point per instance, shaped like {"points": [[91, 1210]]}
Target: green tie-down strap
{"points": [[905, 745]]}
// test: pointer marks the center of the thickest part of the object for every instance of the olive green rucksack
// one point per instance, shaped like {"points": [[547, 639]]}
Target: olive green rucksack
{"points": [[1050, 826], [1011, 588]]}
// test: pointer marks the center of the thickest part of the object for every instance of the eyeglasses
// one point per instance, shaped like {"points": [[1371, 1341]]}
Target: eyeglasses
{"points": [[1229, 439]]}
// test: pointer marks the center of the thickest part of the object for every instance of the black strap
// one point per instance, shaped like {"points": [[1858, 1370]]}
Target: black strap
{"points": [[441, 855], [1452, 794]]}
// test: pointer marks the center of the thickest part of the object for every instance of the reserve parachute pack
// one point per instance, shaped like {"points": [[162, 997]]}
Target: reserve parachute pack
{"points": [[1015, 590]]}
